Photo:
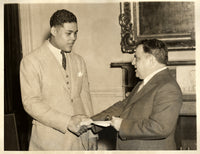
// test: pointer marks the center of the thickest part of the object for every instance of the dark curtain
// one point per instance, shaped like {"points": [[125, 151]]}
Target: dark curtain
{"points": [[12, 58]]}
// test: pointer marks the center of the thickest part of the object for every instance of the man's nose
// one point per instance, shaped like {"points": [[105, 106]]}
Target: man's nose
{"points": [[73, 36]]}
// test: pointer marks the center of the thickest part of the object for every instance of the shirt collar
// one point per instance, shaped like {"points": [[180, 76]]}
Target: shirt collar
{"points": [[152, 74], [52, 48], [55, 51]]}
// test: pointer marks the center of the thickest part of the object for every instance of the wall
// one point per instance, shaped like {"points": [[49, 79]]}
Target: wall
{"points": [[98, 43]]}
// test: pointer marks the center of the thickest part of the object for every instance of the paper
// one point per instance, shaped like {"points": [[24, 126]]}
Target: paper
{"points": [[86, 122], [102, 123], [99, 123]]}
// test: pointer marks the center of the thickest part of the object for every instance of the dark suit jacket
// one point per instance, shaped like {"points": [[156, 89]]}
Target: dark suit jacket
{"points": [[149, 116]]}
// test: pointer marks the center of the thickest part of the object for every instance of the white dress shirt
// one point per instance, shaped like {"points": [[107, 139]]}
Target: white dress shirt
{"points": [[56, 52]]}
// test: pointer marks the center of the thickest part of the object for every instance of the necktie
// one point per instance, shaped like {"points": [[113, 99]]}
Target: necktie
{"points": [[63, 59]]}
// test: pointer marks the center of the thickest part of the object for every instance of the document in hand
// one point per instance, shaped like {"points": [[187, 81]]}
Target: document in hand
{"points": [[99, 123], [102, 123]]}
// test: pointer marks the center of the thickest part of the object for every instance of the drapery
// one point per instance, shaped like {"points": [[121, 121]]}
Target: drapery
{"points": [[12, 58]]}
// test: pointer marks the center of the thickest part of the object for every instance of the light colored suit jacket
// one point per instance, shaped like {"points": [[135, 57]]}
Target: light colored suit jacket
{"points": [[149, 116], [51, 96]]}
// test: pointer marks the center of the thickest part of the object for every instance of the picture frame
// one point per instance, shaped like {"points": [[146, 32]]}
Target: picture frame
{"points": [[177, 30], [144, 20]]}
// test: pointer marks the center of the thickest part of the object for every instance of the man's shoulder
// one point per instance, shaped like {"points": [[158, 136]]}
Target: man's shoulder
{"points": [[77, 57], [168, 81], [164, 77], [35, 55], [37, 52]]}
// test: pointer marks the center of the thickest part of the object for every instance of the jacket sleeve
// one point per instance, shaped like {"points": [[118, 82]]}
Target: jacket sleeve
{"points": [[161, 122], [114, 110], [86, 97], [85, 91], [33, 102]]}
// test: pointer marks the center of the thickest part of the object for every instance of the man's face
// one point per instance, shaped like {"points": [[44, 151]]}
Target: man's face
{"points": [[65, 36], [141, 62]]}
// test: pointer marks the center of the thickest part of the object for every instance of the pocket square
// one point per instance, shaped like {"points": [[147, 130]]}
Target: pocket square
{"points": [[80, 74]]}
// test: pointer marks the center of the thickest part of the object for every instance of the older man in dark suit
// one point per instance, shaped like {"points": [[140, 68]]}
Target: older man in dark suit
{"points": [[146, 120]]}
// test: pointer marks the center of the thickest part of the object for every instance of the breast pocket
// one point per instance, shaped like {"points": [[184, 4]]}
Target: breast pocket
{"points": [[77, 83]]}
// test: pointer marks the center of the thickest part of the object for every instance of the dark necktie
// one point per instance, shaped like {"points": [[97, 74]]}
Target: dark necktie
{"points": [[63, 58]]}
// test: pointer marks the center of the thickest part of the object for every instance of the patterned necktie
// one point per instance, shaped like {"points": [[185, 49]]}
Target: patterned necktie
{"points": [[63, 58]]}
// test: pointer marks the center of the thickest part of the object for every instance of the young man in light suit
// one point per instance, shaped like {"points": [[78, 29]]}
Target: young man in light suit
{"points": [[55, 90], [146, 119]]}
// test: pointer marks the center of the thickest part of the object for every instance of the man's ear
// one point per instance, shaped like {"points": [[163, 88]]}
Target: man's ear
{"points": [[53, 31], [152, 60]]}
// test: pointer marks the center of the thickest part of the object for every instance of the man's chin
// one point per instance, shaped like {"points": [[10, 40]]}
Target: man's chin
{"points": [[137, 75], [68, 49]]}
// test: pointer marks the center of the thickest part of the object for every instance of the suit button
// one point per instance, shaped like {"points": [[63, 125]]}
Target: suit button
{"points": [[67, 82], [72, 100], [67, 76]]}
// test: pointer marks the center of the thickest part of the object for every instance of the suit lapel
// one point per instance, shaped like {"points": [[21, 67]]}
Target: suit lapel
{"points": [[54, 63], [137, 95], [147, 88], [132, 94], [134, 91]]}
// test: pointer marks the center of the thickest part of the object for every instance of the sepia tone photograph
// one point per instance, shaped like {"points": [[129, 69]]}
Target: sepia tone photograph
{"points": [[100, 76]]}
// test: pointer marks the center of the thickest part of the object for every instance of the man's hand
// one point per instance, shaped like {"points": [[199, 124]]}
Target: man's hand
{"points": [[85, 124], [93, 144], [116, 122], [74, 124]]}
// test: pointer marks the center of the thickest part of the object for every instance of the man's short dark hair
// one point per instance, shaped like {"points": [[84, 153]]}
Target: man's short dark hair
{"points": [[155, 47], [62, 16]]}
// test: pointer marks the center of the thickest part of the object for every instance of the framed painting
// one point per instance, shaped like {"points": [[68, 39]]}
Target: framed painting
{"points": [[171, 22]]}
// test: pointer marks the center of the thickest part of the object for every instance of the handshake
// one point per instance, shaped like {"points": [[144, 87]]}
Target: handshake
{"points": [[80, 124]]}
